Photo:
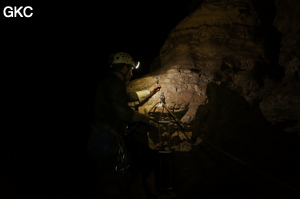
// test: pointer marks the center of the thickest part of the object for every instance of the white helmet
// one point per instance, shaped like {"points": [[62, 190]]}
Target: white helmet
{"points": [[124, 58]]}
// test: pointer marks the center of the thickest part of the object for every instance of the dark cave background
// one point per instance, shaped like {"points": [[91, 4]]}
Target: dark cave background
{"points": [[49, 69]]}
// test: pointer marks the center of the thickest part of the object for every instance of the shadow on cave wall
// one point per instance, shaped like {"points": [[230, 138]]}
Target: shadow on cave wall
{"points": [[229, 120], [241, 155]]}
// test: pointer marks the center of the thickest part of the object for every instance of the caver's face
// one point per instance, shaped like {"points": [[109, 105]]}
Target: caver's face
{"points": [[128, 73]]}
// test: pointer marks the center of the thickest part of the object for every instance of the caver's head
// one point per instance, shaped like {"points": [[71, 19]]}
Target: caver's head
{"points": [[123, 63]]}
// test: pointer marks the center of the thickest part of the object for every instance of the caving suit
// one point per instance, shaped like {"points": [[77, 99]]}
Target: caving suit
{"points": [[112, 115]]}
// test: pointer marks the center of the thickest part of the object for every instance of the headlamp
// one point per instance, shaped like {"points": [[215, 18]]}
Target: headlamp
{"points": [[137, 65]]}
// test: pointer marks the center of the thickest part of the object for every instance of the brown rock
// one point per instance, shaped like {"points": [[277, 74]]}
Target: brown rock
{"points": [[222, 42]]}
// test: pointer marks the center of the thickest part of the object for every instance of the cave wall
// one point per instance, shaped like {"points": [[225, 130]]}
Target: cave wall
{"points": [[281, 100], [230, 72], [251, 47]]}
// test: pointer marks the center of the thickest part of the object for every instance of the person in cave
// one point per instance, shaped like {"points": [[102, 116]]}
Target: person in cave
{"points": [[106, 145]]}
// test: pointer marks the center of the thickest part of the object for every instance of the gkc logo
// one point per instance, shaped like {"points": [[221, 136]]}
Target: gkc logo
{"points": [[16, 11]]}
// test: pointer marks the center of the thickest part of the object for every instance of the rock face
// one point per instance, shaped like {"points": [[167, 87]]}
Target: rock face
{"points": [[246, 46], [230, 73], [281, 100]]}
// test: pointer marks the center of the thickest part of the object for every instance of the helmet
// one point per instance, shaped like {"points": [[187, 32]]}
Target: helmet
{"points": [[123, 58]]}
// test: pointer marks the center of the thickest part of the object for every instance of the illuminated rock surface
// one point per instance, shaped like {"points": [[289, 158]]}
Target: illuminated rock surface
{"points": [[230, 72], [234, 44]]}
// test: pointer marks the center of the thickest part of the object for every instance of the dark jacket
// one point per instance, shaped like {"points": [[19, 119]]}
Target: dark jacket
{"points": [[111, 104]]}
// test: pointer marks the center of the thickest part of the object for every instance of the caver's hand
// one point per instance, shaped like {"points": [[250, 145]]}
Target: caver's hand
{"points": [[154, 89]]}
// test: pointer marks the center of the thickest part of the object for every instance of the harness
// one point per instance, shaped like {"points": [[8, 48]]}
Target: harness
{"points": [[122, 158]]}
